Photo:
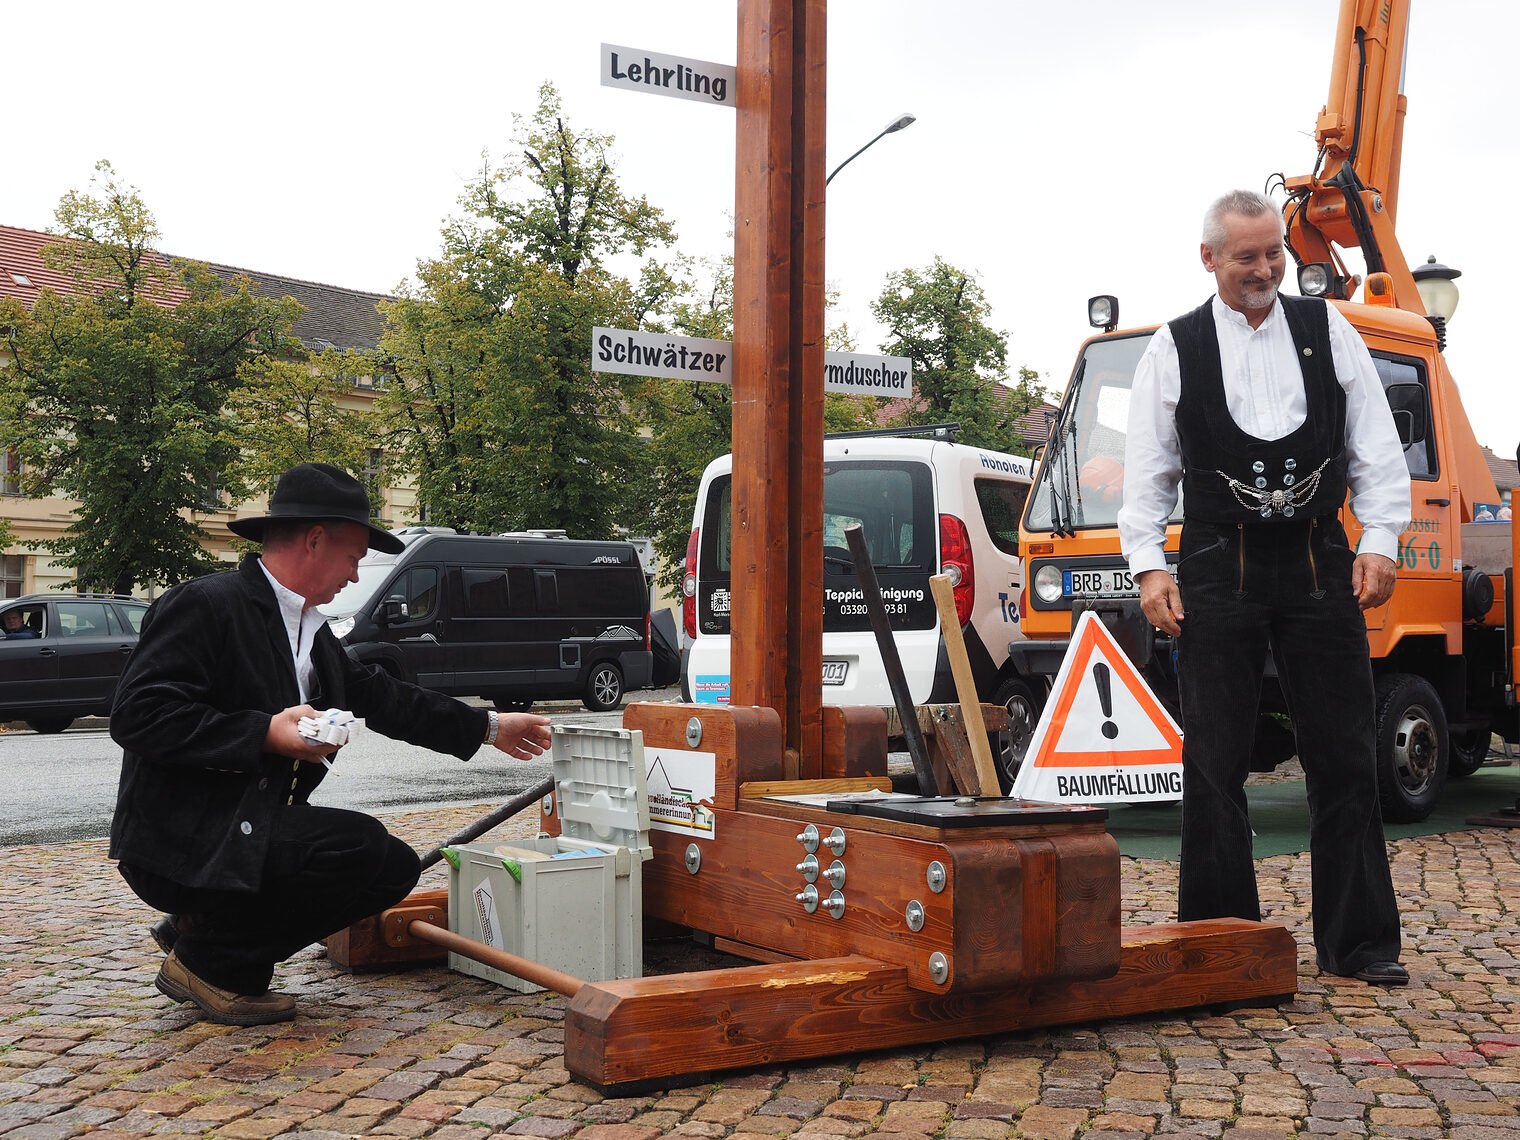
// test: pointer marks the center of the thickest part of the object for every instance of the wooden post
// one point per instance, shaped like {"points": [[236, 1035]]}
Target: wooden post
{"points": [[777, 644]]}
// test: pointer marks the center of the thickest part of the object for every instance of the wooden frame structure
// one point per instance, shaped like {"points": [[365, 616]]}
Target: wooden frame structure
{"points": [[935, 919]]}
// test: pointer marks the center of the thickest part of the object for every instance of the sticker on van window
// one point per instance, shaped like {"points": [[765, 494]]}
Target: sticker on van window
{"points": [[711, 689]]}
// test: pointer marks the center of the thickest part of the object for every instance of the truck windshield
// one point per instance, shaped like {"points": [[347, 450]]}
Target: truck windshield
{"points": [[1080, 482]]}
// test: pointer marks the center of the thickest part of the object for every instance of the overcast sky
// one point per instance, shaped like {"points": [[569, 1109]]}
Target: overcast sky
{"points": [[1061, 150]]}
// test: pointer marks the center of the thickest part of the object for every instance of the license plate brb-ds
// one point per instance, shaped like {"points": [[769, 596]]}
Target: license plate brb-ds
{"points": [[1116, 583], [834, 671]]}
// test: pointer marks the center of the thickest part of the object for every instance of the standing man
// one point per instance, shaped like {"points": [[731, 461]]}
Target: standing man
{"points": [[213, 823], [1266, 409]]}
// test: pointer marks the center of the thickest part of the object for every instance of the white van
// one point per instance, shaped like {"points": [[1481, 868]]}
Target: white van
{"points": [[927, 506]]}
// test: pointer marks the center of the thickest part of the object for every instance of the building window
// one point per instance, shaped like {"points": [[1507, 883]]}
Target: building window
{"points": [[12, 575], [10, 473], [374, 470]]}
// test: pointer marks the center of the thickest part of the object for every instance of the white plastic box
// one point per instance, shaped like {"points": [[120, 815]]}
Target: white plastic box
{"points": [[576, 902]]}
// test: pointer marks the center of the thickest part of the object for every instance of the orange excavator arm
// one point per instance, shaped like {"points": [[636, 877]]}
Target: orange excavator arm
{"points": [[1351, 198]]}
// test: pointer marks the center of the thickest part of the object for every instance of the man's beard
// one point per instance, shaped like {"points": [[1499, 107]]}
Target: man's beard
{"points": [[1259, 296]]}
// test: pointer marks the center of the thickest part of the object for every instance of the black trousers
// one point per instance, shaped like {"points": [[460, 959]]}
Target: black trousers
{"points": [[326, 869], [1284, 587]]}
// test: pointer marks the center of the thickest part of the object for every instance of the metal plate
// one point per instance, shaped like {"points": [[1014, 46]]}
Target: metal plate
{"points": [[965, 811]]}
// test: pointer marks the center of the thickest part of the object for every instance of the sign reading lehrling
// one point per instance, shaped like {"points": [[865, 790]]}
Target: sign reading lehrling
{"points": [[635, 353], [673, 75]]}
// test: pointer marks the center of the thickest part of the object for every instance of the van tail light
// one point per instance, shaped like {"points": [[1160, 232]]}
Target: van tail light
{"points": [[689, 586], [955, 563], [648, 635]]}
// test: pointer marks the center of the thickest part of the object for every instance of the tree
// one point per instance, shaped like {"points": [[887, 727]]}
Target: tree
{"points": [[116, 392], [937, 318], [494, 404], [290, 411]]}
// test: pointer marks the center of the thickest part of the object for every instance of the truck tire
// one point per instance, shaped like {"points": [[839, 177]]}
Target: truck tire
{"points": [[604, 687], [1024, 706], [1411, 747], [48, 725], [1468, 752]]}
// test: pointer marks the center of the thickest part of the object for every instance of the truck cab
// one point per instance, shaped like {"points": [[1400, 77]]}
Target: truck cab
{"points": [[1439, 648]]}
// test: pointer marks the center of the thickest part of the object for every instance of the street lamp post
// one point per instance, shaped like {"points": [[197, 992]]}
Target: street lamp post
{"points": [[897, 124], [1438, 291]]}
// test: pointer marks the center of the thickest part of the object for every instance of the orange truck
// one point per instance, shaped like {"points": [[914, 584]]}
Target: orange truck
{"points": [[1443, 649]]}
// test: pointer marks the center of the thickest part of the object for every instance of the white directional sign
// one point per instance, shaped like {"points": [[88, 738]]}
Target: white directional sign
{"points": [[636, 353], [673, 75]]}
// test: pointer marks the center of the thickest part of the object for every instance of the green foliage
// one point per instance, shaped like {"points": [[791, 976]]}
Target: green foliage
{"points": [[494, 406], [115, 394], [938, 317], [291, 411]]}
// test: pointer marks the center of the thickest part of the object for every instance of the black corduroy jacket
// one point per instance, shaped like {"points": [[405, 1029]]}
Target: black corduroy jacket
{"points": [[198, 793]]}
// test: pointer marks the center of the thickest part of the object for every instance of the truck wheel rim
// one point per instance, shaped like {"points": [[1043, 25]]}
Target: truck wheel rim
{"points": [[1415, 749]]}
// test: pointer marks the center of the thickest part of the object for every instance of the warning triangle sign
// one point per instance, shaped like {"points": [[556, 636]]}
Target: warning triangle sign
{"points": [[1103, 737]]}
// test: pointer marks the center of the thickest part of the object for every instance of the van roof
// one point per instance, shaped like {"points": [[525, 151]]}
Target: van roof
{"points": [[494, 548]]}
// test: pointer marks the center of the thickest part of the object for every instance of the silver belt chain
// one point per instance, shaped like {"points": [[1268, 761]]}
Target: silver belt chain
{"points": [[1284, 501]]}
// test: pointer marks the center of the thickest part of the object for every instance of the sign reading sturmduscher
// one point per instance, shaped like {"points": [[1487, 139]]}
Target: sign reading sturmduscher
{"points": [[657, 74], [636, 353]]}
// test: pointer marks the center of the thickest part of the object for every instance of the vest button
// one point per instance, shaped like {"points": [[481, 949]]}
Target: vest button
{"points": [[1288, 511], [1289, 480], [1258, 467], [1289, 464], [1261, 482], [245, 827]]}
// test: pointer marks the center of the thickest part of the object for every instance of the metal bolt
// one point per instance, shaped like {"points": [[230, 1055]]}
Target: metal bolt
{"points": [[809, 868], [693, 858], [939, 967], [809, 838], [936, 876], [548, 804], [694, 732], [835, 905], [835, 841], [808, 898], [915, 915], [835, 874]]}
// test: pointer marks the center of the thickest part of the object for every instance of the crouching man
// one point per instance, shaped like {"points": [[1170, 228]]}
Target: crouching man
{"points": [[213, 822]]}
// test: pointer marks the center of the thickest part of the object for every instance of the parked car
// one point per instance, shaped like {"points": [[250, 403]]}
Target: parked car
{"points": [[60, 655], [511, 618]]}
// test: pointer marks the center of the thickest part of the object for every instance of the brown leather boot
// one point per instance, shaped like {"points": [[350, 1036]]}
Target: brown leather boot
{"points": [[219, 1005]]}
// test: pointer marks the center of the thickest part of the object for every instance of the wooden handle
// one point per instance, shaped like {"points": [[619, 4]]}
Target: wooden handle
{"points": [[965, 686]]}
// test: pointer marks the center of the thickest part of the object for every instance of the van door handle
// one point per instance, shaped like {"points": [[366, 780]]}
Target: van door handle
{"points": [[1438, 502], [421, 637]]}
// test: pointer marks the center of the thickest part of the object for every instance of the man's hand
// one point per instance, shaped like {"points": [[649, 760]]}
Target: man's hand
{"points": [[1161, 601], [1373, 577], [284, 737], [522, 735]]}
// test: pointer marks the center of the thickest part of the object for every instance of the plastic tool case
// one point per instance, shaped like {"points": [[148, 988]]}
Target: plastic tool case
{"points": [[572, 901]]}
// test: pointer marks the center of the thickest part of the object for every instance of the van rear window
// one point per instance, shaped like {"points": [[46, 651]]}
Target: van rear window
{"points": [[894, 504]]}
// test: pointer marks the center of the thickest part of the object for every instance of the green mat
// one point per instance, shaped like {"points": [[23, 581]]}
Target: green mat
{"points": [[1280, 815]]}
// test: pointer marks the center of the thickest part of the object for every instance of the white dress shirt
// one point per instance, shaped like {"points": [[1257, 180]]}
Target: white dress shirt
{"points": [[1264, 390], [301, 625]]}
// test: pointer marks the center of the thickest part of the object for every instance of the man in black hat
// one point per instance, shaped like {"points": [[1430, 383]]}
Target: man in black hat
{"points": [[213, 822]]}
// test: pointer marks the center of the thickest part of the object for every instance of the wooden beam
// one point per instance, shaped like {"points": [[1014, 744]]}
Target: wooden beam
{"points": [[622, 1033], [777, 644]]}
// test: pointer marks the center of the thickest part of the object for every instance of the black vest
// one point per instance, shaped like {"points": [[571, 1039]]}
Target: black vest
{"points": [[1229, 476]]}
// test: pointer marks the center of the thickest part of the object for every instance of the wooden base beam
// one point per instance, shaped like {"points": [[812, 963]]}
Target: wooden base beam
{"points": [[622, 1035]]}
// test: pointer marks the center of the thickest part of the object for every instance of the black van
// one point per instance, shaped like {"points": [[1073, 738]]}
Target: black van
{"points": [[510, 618]]}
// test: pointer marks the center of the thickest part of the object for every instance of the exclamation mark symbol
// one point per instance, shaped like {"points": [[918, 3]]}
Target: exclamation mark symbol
{"points": [[1106, 699]]}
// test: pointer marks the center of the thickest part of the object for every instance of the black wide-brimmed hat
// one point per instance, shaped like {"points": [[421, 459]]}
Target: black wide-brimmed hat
{"points": [[318, 492]]}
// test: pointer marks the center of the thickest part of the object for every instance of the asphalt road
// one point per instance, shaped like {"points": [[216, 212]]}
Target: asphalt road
{"points": [[58, 788]]}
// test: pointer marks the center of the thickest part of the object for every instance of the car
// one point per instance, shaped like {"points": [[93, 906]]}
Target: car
{"points": [[61, 654]]}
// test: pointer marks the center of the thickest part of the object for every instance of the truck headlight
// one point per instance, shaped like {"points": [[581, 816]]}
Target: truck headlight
{"points": [[1048, 583]]}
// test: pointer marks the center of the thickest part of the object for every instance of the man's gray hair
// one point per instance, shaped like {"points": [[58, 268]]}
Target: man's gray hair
{"points": [[1246, 203]]}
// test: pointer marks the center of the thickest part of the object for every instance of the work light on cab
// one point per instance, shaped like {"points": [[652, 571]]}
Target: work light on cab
{"points": [[1048, 583], [1319, 279], [1103, 312]]}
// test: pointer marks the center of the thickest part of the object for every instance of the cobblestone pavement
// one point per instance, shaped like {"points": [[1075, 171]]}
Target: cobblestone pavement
{"points": [[88, 1046]]}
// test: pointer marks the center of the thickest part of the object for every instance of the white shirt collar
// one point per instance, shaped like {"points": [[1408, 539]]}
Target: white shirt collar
{"points": [[301, 625]]}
